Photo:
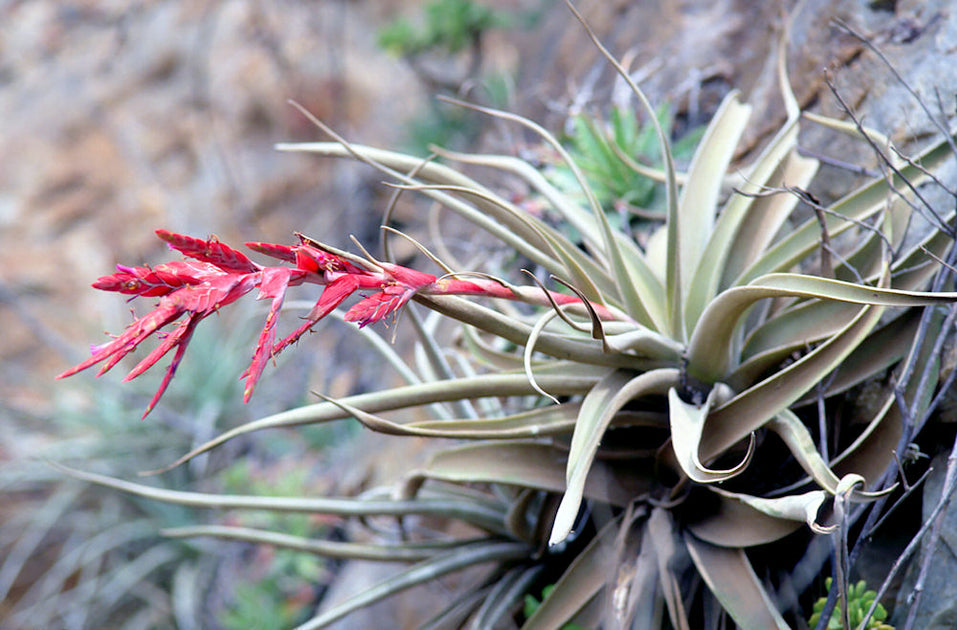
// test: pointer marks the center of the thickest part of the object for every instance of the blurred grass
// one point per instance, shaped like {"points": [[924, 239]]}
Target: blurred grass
{"points": [[77, 556]]}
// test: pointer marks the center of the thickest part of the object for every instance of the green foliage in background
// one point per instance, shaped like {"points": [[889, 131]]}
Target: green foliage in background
{"points": [[278, 589], [448, 26], [622, 162], [532, 605], [447, 30]]}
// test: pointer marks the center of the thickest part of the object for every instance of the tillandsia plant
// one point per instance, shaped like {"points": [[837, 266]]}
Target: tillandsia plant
{"points": [[650, 421]]}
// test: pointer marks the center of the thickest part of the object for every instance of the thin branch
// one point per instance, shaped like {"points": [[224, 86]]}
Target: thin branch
{"points": [[931, 523], [900, 78], [856, 169], [941, 224]]}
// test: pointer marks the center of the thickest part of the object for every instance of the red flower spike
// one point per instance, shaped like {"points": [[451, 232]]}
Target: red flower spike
{"points": [[195, 289], [191, 290]]}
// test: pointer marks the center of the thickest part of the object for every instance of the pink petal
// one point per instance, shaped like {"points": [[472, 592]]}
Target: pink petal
{"points": [[131, 337], [377, 306], [215, 292], [408, 277], [169, 342], [182, 341], [274, 281]]}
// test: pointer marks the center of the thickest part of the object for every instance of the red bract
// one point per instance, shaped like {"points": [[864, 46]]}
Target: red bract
{"points": [[375, 307], [211, 251], [150, 282]]}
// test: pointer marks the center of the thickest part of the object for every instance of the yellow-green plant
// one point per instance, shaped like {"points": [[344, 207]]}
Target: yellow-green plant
{"points": [[859, 600], [609, 441]]}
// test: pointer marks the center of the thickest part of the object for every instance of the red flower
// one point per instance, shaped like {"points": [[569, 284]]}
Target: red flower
{"points": [[217, 275]]}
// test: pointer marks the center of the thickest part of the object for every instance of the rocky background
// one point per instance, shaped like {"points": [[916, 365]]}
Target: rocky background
{"points": [[121, 117]]}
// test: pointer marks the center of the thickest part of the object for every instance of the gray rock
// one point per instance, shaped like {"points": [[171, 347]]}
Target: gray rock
{"points": [[937, 608]]}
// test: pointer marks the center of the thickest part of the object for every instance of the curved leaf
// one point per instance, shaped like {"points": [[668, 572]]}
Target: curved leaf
{"points": [[645, 343], [750, 409], [767, 215], [509, 224], [672, 295], [737, 525], [401, 398], [573, 214], [467, 510], [405, 552], [598, 409], [553, 241], [427, 571], [798, 440], [723, 241], [856, 206], [581, 350], [698, 204], [633, 278], [881, 350], [793, 507], [798, 327], [528, 464], [537, 330], [729, 576], [708, 351], [687, 428], [551, 420]]}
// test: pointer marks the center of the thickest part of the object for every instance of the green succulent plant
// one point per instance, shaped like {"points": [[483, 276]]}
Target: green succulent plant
{"points": [[859, 600], [614, 157], [611, 440]]}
